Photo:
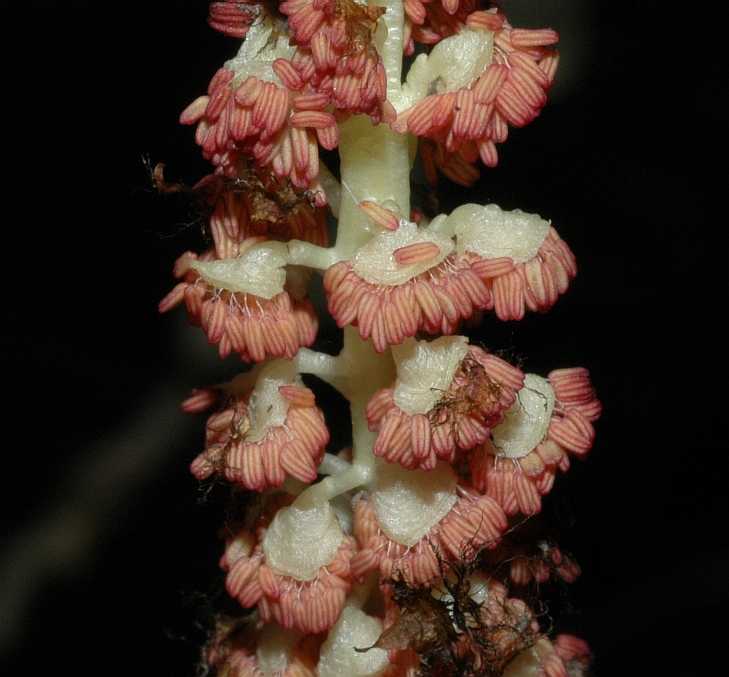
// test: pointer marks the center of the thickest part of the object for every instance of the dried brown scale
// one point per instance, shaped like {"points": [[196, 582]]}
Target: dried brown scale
{"points": [[457, 634], [361, 22]]}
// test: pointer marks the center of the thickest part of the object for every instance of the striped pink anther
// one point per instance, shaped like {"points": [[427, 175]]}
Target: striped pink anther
{"points": [[540, 567], [233, 17], [417, 252], [435, 301], [380, 215], [257, 118], [336, 55], [575, 653]]}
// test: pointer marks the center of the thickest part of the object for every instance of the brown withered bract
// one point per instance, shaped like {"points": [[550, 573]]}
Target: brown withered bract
{"points": [[361, 22], [423, 623], [472, 391]]}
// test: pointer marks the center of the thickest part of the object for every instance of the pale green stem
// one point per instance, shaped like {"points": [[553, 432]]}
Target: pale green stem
{"points": [[389, 44], [366, 372], [333, 465], [302, 253], [331, 187], [375, 162], [323, 366], [375, 165]]}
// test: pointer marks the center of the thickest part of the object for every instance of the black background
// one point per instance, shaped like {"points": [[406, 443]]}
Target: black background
{"points": [[108, 564]]}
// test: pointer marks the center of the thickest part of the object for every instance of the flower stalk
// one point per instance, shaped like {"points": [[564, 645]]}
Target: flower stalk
{"points": [[450, 443]]}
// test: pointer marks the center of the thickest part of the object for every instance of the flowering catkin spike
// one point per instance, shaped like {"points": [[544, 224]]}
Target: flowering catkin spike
{"points": [[448, 440]]}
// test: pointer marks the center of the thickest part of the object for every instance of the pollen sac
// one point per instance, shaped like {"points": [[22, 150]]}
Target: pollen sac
{"points": [[547, 562], [481, 77], [550, 419], [447, 397], [575, 654], [264, 435], [245, 304], [431, 21], [295, 568], [402, 282], [541, 658], [233, 17]]}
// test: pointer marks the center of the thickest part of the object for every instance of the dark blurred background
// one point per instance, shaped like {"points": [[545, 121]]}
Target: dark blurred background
{"points": [[108, 560]]}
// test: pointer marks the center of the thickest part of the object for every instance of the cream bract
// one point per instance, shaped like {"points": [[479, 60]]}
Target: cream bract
{"points": [[526, 422], [492, 232]]}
